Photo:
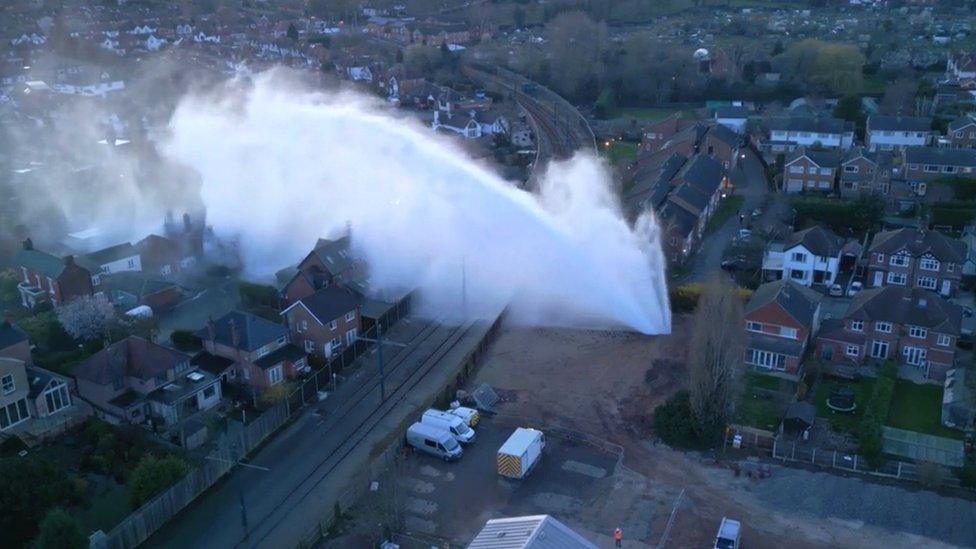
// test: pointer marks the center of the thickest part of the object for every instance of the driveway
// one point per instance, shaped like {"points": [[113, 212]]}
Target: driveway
{"points": [[749, 180]]}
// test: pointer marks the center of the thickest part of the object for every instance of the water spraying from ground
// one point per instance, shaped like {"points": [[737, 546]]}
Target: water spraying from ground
{"points": [[282, 167]]}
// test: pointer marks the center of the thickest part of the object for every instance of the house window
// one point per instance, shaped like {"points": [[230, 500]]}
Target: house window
{"points": [[797, 274], [850, 169], [754, 326], [166, 269], [13, 413], [209, 392], [799, 257], [303, 326], [796, 169], [274, 375], [879, 349], [333, 325], [929, 264], [929, 168], [132, 263], [880, 258], [787, 332], [897, 278], [825, 171], [351, 336], [852, 350], [57, 397], [309, 346], [7, 384], [883, 327], [949, 169], [943, 340], [927, 282], [899, 260], [766, 359], [350, 316], [336, 343], [950, 267], [857, 325], [181, 367], [917, 332], [246, 372], [263, 351], [96, 280]]}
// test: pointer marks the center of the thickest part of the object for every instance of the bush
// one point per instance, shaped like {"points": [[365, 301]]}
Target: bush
{"points": [[60, 530], [963, 188], [967, 473], [870, 432], [841, 216], [684, 298], [153, 475], [673, 422], [184, 340], [28, 488]]}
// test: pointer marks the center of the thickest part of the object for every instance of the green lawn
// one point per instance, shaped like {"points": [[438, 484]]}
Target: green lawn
{"points": [[759, 412], [918, 408], [840, 421], [620, 153], [726, 209], [648, 114]]}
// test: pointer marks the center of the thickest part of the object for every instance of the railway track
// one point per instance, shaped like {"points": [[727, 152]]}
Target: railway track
{"points": [[356, 429]]}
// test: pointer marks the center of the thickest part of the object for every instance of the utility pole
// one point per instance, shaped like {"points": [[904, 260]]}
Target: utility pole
{"points": [[379, 356]]}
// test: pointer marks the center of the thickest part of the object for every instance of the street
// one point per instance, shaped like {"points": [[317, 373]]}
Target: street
{"points": [[749, 181]]}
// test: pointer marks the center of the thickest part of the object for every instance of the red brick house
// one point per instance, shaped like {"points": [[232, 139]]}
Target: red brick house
{"points": [[810, 170], [924, 259], [326, 322], [260, 349], [865, 172], [329, 263], [44, 277], [163, 256], [923, 164], [908, 325], [656, 134], [962, 132], [780, 319]]}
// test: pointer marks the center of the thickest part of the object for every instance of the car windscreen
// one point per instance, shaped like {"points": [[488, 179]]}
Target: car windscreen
{"points": [[450, 444]]}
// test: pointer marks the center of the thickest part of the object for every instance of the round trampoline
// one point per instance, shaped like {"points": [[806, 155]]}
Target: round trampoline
{"points": [[841, 399]]}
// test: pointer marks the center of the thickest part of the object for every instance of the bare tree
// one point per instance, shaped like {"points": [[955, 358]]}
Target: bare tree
{"points": [[899, 97], [716, 353], [87, 318]]}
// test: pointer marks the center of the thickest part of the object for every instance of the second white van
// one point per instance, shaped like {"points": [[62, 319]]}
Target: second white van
{"points": [[449, 422], [434, 441]]}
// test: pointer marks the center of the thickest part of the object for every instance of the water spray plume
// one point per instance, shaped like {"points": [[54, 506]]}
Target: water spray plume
{"points": [[282, 166]]}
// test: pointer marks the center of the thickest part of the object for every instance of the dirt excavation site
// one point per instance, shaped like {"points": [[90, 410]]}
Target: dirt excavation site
{"points": [[592, 393]]}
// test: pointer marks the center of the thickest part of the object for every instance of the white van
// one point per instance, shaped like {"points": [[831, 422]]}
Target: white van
{"points": [[434, 441], [450, 423], [728, 534]]}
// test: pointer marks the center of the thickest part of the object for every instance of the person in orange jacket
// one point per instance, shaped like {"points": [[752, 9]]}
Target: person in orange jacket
{"points": [[618, 537]]}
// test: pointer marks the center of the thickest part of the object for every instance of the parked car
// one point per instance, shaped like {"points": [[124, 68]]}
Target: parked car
{"points": [[757, 212], [729, 534], [855, 287], [966, 311], [836, 290]]}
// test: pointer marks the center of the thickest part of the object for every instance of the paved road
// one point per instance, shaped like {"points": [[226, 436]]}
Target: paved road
{"points": [[299, 459], [749, 180]]}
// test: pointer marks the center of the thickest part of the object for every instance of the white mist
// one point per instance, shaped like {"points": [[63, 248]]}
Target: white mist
{"points": [[281, 167]]}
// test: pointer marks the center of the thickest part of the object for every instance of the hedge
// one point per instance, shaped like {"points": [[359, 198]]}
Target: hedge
{"points": [[684, 298]]}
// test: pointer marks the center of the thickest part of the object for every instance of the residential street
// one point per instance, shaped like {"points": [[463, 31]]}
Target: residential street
{"points": [[749, 180]]}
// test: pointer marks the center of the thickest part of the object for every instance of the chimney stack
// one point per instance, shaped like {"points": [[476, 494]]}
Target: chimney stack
{"points": [[211, 329], [28, 244], [69, 260]]}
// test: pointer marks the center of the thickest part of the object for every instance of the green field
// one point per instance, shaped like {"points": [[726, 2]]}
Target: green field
{"points": [[619, 153], [919, 408]]}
